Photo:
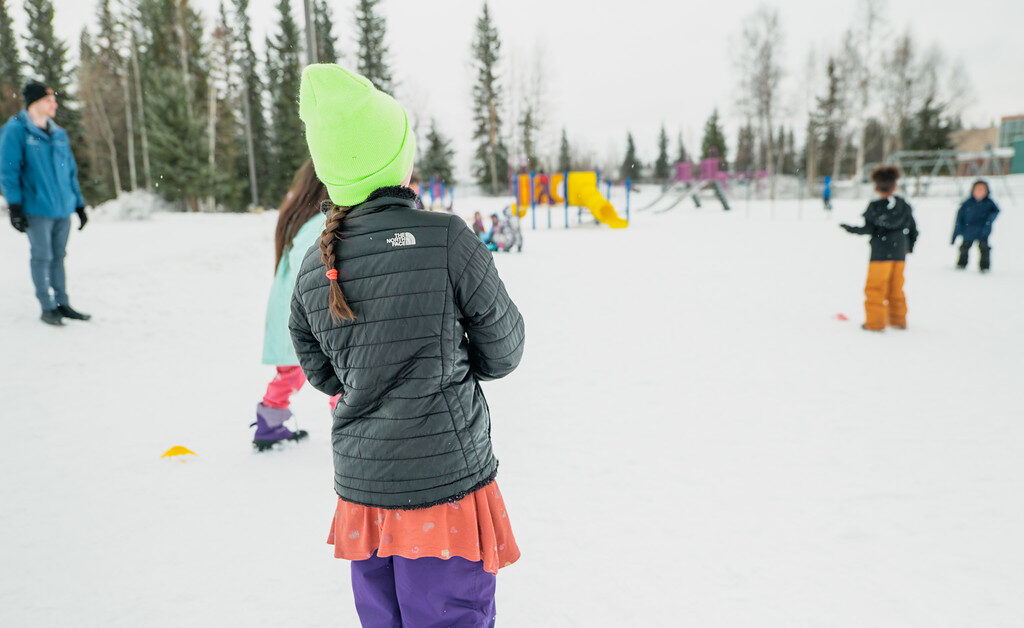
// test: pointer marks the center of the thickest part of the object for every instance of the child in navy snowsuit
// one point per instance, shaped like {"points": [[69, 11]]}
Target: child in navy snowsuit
{"points": [[974, 224]]}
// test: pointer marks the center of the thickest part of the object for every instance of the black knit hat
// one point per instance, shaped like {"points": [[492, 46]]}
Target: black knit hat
{"points": [[33, 91]]}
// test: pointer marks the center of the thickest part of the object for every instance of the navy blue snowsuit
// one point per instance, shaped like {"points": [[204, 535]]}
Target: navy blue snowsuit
{"points": [[974, 224]]}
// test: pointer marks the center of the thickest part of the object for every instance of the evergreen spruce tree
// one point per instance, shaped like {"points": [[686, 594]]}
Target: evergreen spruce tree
{"points": [[438, 158], [251, 106], [175, 78], [47, 55], [11, 77], [681, 154], [528, 128], [176, 138], [661, 165], [371, 59], [780, 152], [564, 154], [789, 159], [630, 168], [825, 120], [491, 156], [713, 144], [744, 161], [928, 129], [323, 24], [284, 70]]}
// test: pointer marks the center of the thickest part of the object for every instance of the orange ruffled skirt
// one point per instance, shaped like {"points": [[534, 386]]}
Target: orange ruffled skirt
{"points": [[476, 528]]}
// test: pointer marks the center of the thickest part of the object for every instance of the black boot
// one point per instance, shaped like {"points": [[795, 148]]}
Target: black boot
{"points": [[68, 312], [986, 256], [965, 249], [52, 317]]}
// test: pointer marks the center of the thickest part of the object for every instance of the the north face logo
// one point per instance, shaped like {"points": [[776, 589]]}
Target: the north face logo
{"points": [[402, 239]]}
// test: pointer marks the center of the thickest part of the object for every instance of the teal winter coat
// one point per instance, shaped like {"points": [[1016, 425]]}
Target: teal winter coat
{"points": [[37, 169], [277, 340]]}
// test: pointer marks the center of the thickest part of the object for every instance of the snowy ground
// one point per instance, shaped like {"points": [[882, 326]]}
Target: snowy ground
{"points": [[693, 438]]}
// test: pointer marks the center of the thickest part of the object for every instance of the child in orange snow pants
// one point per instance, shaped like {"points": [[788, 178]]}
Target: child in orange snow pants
{"points": [[889, 221], [885, 302]]}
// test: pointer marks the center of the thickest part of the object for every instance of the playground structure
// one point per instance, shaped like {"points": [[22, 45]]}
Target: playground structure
{"points": [[568, 189], [686, 184], [922, 168]]}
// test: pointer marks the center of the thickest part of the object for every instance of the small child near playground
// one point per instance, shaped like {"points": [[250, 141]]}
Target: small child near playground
{"points": [[299, 224], [542, 184], [974, 224], [889, 221], [510, 235], [826, 192], [403, 311]]}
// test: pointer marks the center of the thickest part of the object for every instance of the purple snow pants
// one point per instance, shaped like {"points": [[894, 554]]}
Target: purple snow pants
{"points": [[396, 592]]}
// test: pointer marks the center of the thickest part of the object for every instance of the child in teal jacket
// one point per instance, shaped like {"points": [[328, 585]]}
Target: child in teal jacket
{"points": [[299, 226]]}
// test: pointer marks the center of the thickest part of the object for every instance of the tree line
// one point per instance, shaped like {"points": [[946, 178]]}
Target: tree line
{"points": [[876, 92], [160, 99]]}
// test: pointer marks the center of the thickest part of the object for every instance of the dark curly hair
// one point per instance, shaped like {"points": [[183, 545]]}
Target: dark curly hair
{"points": [[885, 178]]}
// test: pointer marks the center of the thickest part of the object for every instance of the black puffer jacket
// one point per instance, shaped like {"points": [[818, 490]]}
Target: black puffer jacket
{"points": [[412, 428], [890, 223]]}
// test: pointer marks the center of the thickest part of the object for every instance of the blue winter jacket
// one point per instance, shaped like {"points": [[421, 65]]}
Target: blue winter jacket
{"points": [[37, 169], [974, 220], [277, 340]]}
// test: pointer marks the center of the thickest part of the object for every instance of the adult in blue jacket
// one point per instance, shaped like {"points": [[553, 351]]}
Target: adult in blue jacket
{"points": [[974, 224], [39, 179]]}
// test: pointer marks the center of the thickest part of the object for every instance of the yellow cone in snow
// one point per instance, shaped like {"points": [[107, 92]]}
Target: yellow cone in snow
{"points": [[178, 450]]}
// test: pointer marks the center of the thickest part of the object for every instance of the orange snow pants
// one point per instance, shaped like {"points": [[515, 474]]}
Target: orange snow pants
{"points": [[885, 302]]}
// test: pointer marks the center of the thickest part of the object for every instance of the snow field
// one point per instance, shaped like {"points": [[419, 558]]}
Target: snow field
{"points": [[692, 437]]}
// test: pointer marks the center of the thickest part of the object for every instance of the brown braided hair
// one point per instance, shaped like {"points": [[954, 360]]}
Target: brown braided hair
{"points": [[332, 233], [301, 203]]}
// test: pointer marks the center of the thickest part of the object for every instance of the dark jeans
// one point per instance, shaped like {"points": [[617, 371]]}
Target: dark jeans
{"points": [[48, 240], [985, 249], [395, 592]]}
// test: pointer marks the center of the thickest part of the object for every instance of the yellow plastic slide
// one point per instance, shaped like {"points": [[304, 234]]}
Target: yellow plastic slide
{"points": [[583, 193]]}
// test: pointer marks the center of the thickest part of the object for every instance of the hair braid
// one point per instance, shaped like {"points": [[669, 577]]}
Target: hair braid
{"points": [[332, 234]]}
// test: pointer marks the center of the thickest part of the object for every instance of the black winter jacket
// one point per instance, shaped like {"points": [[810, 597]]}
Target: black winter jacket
{"points": [[412, 428], [890, 223]]}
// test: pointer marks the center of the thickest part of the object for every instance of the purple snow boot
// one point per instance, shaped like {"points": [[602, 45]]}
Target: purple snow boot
{"points": [[270, 428]]}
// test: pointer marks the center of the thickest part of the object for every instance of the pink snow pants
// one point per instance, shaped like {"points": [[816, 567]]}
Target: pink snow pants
{"points": [[288, 381]]}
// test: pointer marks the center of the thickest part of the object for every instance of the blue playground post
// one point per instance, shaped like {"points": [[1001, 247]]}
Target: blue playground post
{"points": [[431, 192], [565, 182], [533, 205], [608, 189], [629, 186], [442, 194]]}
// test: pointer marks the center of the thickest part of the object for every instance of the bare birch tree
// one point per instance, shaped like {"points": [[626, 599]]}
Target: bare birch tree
{"points": [[759, 65]]}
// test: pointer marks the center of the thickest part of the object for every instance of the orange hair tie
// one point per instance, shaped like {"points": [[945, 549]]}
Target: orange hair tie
{"points": [[332, 274]]}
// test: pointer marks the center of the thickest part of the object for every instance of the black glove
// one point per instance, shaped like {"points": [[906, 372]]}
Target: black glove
{"points": [[82, 218], [849, 228], [18, 220]]}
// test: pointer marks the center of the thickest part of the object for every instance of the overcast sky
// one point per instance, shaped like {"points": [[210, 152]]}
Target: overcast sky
{"points": [[633, 65]]}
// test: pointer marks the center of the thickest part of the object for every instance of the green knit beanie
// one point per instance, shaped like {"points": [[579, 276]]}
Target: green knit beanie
{"points": [[359, 137]]}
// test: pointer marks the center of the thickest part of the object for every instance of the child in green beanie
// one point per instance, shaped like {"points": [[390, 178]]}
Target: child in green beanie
{"points": [[402, 313]]}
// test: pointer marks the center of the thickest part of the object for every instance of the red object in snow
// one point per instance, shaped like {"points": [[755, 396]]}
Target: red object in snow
{"points": [[841, 317]]}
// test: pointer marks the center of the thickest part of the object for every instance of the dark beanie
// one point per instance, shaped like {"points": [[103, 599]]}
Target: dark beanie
{"points": [[34, 90]]}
